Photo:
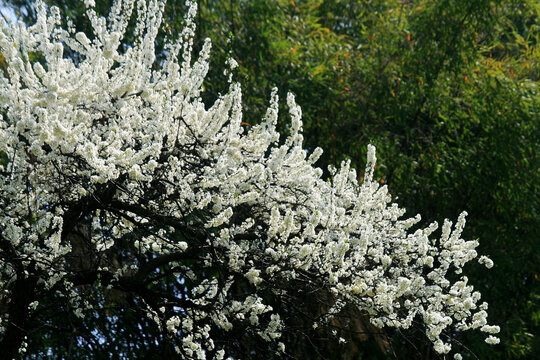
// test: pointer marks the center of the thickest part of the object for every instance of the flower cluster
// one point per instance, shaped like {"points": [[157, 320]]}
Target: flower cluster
{"points": [[109, 150]]}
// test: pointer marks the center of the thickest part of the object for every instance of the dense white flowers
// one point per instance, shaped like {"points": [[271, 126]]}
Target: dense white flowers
{"points": [[116, 145]]}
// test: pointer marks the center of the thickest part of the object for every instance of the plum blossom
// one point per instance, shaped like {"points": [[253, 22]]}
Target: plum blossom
{"points": [[113, 151]]}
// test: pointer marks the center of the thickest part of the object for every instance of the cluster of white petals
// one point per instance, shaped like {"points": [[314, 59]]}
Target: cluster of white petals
{"points": [[111, 137]]}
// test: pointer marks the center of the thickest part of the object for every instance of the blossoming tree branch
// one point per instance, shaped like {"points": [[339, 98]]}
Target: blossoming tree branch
{"points": [[118, 182]]}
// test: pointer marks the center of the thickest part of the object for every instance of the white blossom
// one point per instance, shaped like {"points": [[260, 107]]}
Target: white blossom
{"points": [[492, 340], [120, 149], [487, 262]]}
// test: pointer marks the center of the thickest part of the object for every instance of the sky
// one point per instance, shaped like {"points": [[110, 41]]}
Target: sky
{"points": [[7, 12]]}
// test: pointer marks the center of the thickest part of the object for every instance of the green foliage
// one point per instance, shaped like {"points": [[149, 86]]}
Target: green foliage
{"points": [[448, 92]]}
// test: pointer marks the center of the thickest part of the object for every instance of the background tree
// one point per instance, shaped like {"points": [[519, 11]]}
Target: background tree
{"points": [[446, 90]]}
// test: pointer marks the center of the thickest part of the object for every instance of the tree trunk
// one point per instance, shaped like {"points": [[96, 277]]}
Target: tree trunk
{"points": [[18, 324]]}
